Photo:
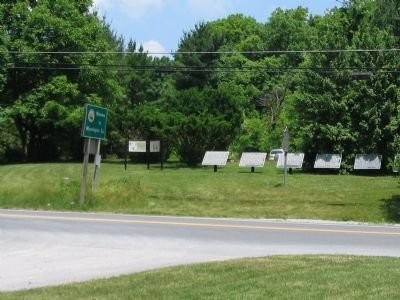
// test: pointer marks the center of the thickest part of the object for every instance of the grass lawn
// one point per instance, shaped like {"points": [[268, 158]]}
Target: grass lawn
{"points": [[179, 190], [280, 277]]}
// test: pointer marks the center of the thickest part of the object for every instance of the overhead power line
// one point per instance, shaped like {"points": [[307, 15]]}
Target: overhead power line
{"points": [[38, 65], [195, 69], [207, 52]]}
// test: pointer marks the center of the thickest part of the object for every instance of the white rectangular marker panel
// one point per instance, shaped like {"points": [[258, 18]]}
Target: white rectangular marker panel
{"points": [[328, 161], [137, 146], [252, 159], [367, 162], [294, 160], [215, 158], [154, 146]]}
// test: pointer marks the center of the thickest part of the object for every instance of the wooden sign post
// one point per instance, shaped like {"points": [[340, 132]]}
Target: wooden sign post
{"points": [[85, 169]]}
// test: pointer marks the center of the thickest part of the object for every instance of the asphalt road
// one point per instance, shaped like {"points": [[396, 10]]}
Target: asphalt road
{"points": [[48, 248]]}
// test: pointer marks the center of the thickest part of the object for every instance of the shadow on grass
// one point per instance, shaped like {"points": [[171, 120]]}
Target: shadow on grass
{"points": [[250, 172], [322, 172], [157, 165], [391, 208]]}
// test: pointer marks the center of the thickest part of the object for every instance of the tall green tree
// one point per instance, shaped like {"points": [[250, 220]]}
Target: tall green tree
{"points": [[206, 119], [334, 111], [4, 59], [146, 84], [389, 14], [196, 56], [47, 83], [208, 107]]}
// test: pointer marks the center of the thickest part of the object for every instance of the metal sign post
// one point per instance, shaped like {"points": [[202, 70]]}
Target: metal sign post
{"points": [[155, 147], [161, 155], [126, 152], [285, 147]]}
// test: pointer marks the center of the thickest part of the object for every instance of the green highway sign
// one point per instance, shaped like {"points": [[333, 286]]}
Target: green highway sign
{"points": [[95, 122]]}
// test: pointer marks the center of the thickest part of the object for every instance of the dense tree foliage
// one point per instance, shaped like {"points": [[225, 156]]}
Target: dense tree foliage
{"points": [[234, 83], [45, 90], [206, 119], [335, 110], [209, 109]]}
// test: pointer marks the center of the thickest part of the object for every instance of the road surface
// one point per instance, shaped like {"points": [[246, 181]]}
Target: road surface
{"points": [[48, 248]]}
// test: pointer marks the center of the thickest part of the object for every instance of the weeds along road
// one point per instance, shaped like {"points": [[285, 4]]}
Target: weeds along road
{"points": [[47, 248]]}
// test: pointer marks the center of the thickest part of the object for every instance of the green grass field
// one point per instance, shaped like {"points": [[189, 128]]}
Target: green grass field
{"points": [[280, 277], [231, 192], [179, 190]]}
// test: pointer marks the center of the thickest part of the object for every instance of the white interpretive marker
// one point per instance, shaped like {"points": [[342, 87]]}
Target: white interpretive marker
{"points": [[154, 146], [328, 161], [294, 161], [137, 146], [215, 158], [252, 159], [368, 162]]}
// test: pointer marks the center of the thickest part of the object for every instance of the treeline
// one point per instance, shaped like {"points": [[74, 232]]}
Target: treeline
{"points": [[233, 84]]}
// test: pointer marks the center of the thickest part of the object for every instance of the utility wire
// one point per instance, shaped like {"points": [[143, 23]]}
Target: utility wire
{"points": [[195, 69], [162, 68], [151, 67], [206, 52]]}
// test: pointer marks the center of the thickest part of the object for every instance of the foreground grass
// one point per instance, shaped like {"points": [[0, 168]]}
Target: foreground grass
{"points": [[283, 277], [231, 192]]}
